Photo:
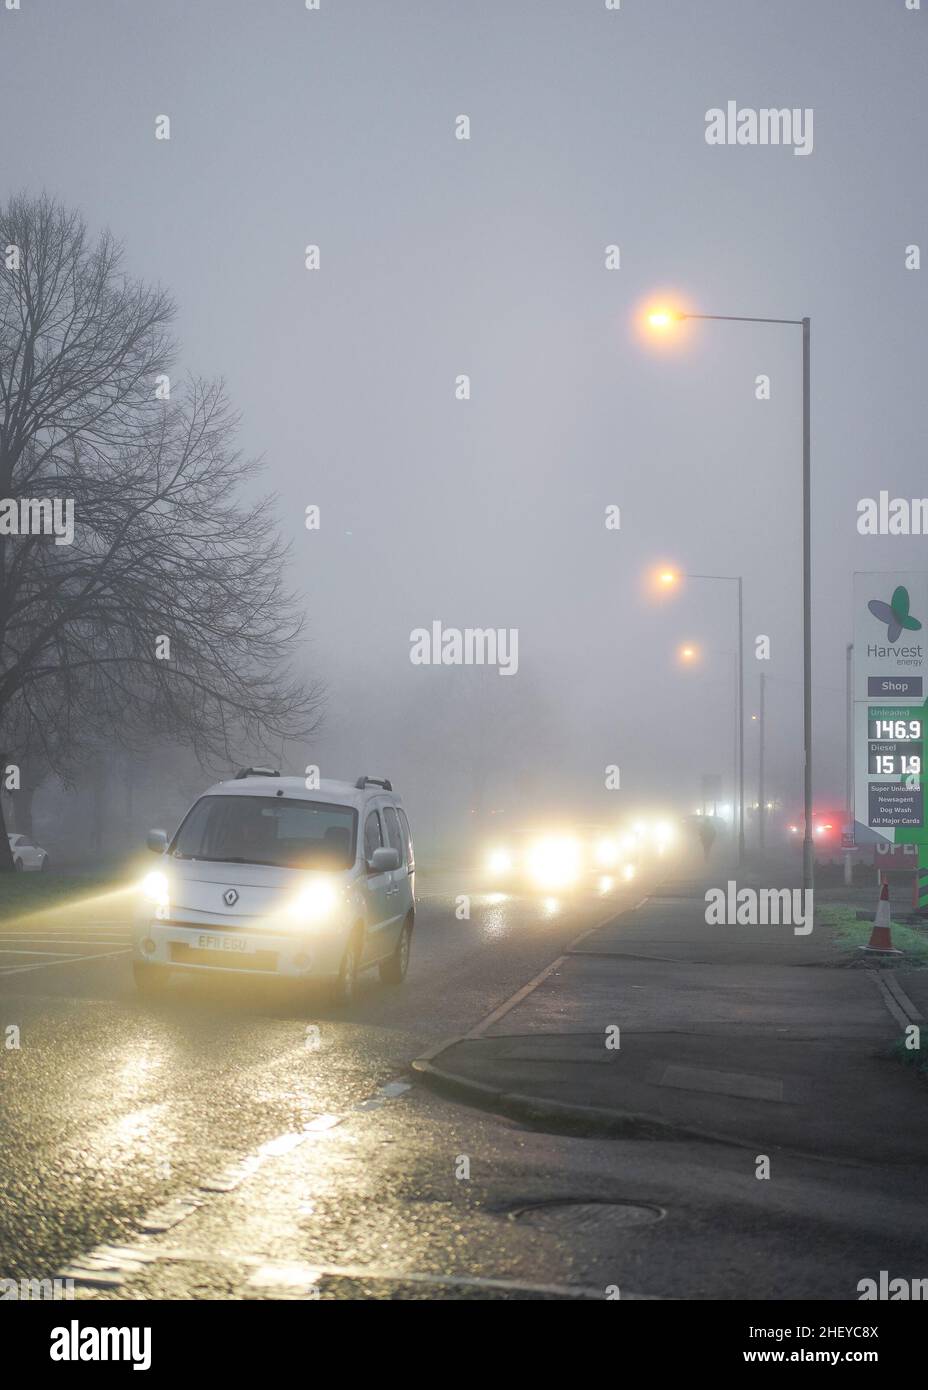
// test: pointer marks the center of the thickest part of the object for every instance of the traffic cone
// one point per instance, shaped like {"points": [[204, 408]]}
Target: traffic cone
{"points": [[881, 941]]}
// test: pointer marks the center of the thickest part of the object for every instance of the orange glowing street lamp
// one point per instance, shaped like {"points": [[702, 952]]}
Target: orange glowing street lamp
{"points": [[691, 654], [667, 579], [663, 579], [662, 318]]}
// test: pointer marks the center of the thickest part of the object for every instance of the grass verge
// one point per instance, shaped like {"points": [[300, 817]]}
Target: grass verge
{"points": [[848, 933], [914, 1058]]}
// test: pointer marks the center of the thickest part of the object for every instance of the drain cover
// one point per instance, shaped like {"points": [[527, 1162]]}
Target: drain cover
{"points": [[581, 1215]]}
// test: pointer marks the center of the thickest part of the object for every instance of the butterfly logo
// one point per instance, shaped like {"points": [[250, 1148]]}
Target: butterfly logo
{"points": [[895, 614]]}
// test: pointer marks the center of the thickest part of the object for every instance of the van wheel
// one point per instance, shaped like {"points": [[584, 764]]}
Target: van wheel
{"points": [[346, 986], [150, 980], [393, 971]]}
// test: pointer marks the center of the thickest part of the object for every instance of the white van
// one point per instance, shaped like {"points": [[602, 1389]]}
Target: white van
{"points": [[264, 877]]}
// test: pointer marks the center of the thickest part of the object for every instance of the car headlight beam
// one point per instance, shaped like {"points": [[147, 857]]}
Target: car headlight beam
{"points": [[606, 852], [555, 862], [155, 888], [499, 861], [314, 903]]}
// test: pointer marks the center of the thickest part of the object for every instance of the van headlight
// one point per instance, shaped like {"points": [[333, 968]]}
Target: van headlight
{"points": [[155, 888], [315, 903], [499, 862]]}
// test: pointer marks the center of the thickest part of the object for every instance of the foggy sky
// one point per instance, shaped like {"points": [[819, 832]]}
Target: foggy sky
{"points": [[441, 257]]}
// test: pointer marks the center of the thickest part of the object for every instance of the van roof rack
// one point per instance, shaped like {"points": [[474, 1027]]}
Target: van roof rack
{"points": [[384, 782], [257, 772]]}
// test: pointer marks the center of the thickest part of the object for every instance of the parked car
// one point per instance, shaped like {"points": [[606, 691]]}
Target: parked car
{"points": [[27, 855], [266, 877]]}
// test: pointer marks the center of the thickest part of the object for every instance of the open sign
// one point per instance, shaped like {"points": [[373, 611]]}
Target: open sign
{"points": [[901, 856]]}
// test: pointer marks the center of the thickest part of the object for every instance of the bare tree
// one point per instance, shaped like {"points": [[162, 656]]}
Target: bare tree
{"points": [[167, 610], [30, 763]]}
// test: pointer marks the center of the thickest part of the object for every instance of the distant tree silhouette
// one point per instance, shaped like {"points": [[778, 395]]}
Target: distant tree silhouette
{"points": [[169, 611]]}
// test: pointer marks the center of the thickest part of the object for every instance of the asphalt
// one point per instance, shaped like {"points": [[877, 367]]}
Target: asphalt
{"points": [[659, 1024], [236, 1143]]}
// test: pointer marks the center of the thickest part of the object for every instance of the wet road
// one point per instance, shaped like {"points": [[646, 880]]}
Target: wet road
{"points": [[234, 1142]]}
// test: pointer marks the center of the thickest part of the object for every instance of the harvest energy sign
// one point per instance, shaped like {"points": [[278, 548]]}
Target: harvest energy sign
{"points": [[890, 712]]}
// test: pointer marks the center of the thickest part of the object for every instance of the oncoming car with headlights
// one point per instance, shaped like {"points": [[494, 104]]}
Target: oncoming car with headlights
{"points": [[561, 859], [580, 855], [267, 878]]}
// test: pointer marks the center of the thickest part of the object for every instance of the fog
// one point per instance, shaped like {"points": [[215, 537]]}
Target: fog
{"points": [[442, 257]]}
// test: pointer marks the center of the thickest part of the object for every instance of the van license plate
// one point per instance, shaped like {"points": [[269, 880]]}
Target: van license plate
{"points": [[225, 943]]}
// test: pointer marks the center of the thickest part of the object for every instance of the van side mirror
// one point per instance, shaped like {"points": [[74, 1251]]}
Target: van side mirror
{"points": [[384, 859], [157, 841]]}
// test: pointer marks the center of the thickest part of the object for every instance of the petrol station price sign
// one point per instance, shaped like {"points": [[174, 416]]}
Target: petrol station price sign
{"points": [[892, 767], [890, 713], [894, 746]]}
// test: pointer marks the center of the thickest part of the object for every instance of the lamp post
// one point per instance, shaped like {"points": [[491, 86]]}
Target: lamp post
{"points": [[731, 579], [849, 760], [761, 789], [689, 653], [661, 320]]}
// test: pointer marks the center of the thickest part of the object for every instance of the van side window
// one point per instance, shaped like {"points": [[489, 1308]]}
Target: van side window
{"points": [[394, 837], [373, 839], [404, 825]]}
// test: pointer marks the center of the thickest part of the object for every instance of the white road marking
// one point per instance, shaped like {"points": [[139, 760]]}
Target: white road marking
{"points": [[391, 1091], [232, 1177], [303, 1279], [70, 955], [278, 1280], [323, 1122], [56, 934], [283, 1144], [47, 965], [58, 941], [98, 1269], [108, 1266], [171, 1214]]}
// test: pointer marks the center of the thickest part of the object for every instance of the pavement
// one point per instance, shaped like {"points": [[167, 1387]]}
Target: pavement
{"points": [[656, 1024]]}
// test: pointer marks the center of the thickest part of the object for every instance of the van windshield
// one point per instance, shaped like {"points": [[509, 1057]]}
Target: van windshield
{"points": [[288, 834]]}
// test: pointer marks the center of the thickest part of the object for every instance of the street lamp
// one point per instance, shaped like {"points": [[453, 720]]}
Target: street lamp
{"points": [[662, 320], [669, 577], [690, 653]]}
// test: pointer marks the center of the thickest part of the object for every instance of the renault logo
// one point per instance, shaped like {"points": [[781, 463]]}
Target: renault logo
{"points": [[230, 897]]}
